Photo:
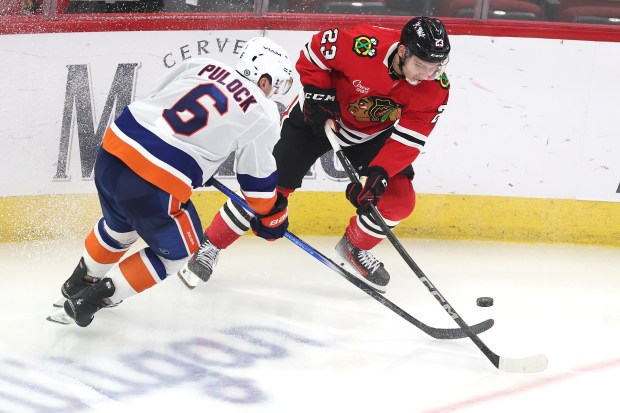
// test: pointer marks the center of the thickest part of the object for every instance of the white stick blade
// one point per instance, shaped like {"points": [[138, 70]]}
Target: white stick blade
{"points": [[532, 364]]}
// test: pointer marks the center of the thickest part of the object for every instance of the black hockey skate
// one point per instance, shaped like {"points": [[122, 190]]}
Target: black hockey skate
{"points": [[200, 265], [83, 306], [78, 282], [366, 267]]}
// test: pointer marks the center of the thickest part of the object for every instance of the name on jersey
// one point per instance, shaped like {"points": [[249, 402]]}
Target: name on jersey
{"points": [[240, 93]]}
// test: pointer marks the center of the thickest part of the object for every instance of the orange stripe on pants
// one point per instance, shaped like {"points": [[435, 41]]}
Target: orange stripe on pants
{"points": [[99, 252], [185, 223], [137, 273]]}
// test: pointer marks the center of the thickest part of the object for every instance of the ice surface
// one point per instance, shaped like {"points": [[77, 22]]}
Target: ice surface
{"points": [[276, 331]]}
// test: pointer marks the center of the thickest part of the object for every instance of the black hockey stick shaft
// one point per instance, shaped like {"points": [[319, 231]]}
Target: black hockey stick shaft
{"points": [[494, 358], [439, 333]]}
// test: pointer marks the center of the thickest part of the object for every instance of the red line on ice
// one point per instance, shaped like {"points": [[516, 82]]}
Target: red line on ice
{"points": [[526, 387]]}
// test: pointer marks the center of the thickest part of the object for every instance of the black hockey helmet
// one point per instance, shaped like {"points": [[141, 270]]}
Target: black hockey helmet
{"points": [[426, 38]]}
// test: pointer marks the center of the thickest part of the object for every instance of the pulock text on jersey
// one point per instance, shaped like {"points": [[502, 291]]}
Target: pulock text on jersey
{"points": [[79, 119]]}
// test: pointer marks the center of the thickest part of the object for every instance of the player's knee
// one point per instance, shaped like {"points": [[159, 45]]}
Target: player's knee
{"points": [[408, 203], [398, 201]]}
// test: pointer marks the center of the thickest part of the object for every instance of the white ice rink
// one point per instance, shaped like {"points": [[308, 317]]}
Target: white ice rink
{"points": [[276, 331]]}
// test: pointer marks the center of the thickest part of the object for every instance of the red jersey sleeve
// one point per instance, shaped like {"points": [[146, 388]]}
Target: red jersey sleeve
{"points": [[318, 57]]}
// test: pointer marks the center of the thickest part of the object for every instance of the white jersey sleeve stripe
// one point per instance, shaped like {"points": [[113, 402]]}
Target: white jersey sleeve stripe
{"points": [[307, 51], [408, 137], [146, 165]]}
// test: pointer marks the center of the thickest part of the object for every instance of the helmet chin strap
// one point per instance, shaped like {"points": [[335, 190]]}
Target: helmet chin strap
{"points": [[401, 63], [392, 72]]}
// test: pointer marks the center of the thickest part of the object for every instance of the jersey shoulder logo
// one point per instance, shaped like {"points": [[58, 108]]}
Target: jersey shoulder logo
{"points": [[375, 109], [364, 46], [443, 80]]}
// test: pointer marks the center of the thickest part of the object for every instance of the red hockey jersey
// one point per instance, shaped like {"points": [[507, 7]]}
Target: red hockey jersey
{"points": [[356, 63]]}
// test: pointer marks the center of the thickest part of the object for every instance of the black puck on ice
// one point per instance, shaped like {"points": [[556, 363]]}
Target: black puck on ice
{"points": [[484, 301]]}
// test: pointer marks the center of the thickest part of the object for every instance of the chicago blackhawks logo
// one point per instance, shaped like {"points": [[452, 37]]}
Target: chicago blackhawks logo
{"points": [[364, 46], [443, 81], [375, 109]]}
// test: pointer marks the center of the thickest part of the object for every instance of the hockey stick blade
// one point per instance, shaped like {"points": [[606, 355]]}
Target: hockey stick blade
{"points": [[524, 365], [60, 317], [438, 333], [532, 364]]}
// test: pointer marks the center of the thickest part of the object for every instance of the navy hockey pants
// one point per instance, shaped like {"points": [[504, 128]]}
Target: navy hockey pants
{"points": [[129, 203]]}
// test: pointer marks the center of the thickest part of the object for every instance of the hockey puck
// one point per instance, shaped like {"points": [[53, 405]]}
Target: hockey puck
{"points": [[484, 302]]}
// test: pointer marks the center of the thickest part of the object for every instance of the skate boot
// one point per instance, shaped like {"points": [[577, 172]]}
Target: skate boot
{"points": [[200, 265], [83, 306], [366, 267], [78, 282]]}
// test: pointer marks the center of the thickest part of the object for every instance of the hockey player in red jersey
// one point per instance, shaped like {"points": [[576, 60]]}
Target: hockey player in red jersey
{"points": [[386, 89], [161, 148]]}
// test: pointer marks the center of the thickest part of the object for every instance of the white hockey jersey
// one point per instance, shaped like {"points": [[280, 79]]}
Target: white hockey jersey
{"points": [[201, 112]]}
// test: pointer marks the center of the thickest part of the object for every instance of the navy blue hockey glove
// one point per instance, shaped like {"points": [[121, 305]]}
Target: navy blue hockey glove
{"points": [[363, 195], [320, 105], [274, 223]]}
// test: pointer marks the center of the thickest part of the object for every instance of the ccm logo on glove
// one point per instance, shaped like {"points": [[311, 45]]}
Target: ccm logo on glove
{"points": [[319, 96], [320, 105]]}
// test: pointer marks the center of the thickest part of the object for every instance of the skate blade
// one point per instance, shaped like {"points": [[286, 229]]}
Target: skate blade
{"points": [[351, 270], [189, 279], [110, 304], [60, 302], [60, 317]]}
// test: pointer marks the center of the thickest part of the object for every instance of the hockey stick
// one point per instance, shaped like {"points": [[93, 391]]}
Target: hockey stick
{"points": [[530, 364], [439, 333]]}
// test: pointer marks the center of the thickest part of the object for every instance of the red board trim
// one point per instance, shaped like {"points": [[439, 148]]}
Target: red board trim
{"points": [[24, 24]]}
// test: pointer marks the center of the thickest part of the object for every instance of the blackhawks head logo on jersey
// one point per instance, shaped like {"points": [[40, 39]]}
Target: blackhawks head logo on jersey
{"points": [[375, 109]]}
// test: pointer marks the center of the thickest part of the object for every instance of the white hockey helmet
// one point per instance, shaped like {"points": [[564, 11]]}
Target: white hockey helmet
{"points": [[261, 56]]}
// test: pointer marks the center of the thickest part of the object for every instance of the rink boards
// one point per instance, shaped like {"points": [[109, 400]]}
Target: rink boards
{"points": [[327, 213], [523, 152]]}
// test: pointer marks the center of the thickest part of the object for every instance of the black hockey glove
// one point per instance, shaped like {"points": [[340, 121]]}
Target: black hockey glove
{"points": [[363, 195], [320, 105], [274, 223]]}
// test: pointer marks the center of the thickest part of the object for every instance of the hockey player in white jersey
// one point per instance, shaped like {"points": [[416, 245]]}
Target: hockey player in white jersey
{"points": [[161, 148]]}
